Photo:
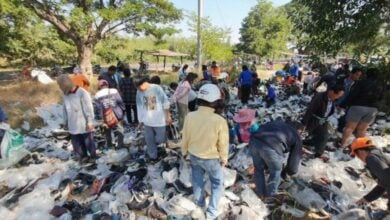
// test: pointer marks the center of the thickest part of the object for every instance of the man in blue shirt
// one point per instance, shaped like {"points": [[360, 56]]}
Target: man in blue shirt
{"points": [[268, 147], [294, 70], [271, 95], [245, 81]]}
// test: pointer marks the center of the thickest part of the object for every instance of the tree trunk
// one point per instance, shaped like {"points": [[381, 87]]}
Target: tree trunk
{"points": [[85, 51]]}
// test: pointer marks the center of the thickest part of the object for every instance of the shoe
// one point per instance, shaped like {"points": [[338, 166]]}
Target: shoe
{"points": [[97, 186]]}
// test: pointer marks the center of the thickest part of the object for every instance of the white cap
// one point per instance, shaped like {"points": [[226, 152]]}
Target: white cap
{"points": [[209, 93]]}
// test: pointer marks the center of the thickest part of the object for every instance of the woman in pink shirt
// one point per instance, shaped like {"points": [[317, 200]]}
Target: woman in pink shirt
{"points": [[181, 96]]}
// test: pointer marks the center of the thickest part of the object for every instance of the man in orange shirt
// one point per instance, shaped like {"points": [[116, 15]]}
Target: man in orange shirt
{"points": [[79, 79], [215, 70]]}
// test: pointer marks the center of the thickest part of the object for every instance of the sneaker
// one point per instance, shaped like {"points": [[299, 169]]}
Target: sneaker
{"points": [[155, 213]]}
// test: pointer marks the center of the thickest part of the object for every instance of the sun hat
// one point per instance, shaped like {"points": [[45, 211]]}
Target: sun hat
{"points": [[244, 115], [361, 143]]}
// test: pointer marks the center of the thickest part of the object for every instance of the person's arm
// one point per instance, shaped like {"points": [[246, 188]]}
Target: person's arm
{"points": [[223, 143], [311, 109], [65, 116], [294, 157], [140, 109], [379, 170], [375, 193], [119, 101], [86, 103]]}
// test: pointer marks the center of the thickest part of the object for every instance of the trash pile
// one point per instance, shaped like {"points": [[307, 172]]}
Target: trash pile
{"points": [[47, 183]]}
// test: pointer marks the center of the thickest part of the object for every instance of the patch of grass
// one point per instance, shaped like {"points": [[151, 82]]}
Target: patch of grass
{"points": [[19, 100]]}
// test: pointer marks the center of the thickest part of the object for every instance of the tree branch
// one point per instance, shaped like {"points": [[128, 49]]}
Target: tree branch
{"points": [[43, 11]]}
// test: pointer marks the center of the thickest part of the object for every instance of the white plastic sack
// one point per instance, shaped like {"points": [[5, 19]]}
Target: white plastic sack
{"points": [[12, 148], [41, 76]]}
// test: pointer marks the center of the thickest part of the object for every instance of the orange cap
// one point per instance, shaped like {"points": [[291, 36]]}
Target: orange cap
{"points": [[361, 143]]}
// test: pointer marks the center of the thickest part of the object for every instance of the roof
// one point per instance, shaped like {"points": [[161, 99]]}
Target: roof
{"points": [[166, 53]]}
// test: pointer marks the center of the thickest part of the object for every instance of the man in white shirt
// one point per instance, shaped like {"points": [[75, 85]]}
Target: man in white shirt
{"points": [[153, 114]]}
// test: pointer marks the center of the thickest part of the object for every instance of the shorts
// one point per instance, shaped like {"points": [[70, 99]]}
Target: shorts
{"points": [[361, 114]]}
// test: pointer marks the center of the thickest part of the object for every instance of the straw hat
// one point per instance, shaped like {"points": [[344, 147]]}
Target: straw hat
{"points": [[244, 115]]}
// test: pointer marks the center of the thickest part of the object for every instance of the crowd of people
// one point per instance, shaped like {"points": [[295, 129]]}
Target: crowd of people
{"points": [[126, 100]]}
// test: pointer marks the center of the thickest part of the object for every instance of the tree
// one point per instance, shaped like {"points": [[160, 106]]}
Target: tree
{"points": [[86, 22], [328, 26], [25, 37], [265, 30], [215, 40]]}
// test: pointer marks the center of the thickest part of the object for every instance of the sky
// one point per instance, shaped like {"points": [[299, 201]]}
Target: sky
{"points": [[222, 13]]}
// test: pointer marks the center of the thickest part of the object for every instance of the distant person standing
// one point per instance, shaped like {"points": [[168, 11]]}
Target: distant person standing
{"points": [[79, 79], [3, 116], [183, 72], [245, 81], [215, 70], [25, 74], [129, 93], [78, 118], [206, 73], [294, 70], [109, 76], [153, 114], [182, 97]]}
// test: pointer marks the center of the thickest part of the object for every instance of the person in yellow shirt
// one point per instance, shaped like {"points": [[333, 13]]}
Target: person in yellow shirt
{"points": [[79, 79], [206, 141]]}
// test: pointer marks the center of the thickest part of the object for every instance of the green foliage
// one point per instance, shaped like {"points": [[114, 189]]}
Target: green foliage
{"points": [[25, 37], [328, 26], [215, 40], [265, 30]]}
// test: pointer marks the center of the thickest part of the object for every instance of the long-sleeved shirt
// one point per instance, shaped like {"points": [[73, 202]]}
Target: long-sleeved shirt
{"points": [[245, 78], [379, 166], [293, 70], [182, 92], [78, 111], [271, 93], [205, 135], [129, 91], [347, 87], [319, 107], [110, 98], [3, 117], [112, 83], [283, 138], [151, 106]]}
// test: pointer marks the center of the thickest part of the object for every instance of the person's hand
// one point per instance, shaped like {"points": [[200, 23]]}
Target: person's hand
{"points": [[168, 120], [361, 201], [223, 163], [140, 125], [90, 127]]}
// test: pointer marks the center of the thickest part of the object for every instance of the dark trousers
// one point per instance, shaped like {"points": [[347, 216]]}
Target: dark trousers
{"points": [[129, 108], [270, 102], [245, 93], [320, 136], [119, 132], [83, 144]]}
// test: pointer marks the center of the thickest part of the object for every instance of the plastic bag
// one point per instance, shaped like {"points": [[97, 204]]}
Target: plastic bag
{"points": [[12, 148]]}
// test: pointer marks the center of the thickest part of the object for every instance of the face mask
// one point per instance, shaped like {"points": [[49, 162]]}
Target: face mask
{"points": [[253, 128]]}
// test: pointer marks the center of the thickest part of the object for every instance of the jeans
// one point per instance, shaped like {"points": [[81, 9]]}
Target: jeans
{"points": [[82, 144], [265, 156], [129, 108], [183, 111], [153, 137], [119, 131], [214, 170]]}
